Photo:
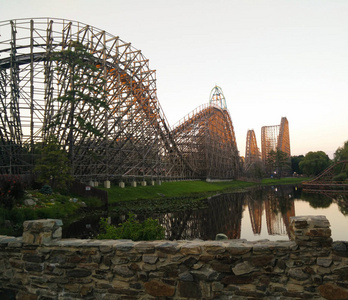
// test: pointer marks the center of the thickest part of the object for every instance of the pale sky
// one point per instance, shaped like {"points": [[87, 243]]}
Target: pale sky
{"points": [[272, 59]]}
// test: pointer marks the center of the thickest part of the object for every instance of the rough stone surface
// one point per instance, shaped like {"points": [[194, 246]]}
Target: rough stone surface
{"points": [[333, 292], [190, 290], [309, 267], [243, 268], [159, 289], [29, 202]]}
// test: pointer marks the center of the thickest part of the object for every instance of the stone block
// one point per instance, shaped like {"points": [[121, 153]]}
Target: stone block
{"points": [[150, 258], [159, 289], [298, 274], [191, 248], [333, 292], [215, 247], [190, 290], [294, 288], [145, 247], [78, 273], [324, 261], [168, 247], [237, 248], [123, 271], [243, 268]]}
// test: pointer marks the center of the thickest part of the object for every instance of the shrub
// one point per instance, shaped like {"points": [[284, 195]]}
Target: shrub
{"points": [[46, 189], [132, 229], [11, 190]]}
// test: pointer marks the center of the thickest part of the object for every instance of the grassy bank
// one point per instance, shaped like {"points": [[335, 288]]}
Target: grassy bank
{"points": [[170, 196], [186, 188]]}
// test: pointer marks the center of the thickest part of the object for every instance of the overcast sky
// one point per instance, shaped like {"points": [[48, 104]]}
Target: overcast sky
{"points": [[272, 59]]}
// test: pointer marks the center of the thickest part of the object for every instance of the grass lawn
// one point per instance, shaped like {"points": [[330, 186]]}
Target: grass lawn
{"points": [[186, 188]]}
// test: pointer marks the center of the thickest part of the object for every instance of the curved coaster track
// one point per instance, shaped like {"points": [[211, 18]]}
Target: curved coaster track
{"points": [[326, 181], [96, 95]]}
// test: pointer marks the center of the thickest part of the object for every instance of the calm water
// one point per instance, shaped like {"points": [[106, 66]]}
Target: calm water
{"points": [[262, 213]]}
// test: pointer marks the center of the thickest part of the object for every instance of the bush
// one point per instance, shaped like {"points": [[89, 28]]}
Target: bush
{"points": [[132, 229], [46, 189], [11, 190]]}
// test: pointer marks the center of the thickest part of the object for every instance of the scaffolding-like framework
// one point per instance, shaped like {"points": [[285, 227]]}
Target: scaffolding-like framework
{"points": [[252, 152], [135, 139], [206, 140], [275, 137]]}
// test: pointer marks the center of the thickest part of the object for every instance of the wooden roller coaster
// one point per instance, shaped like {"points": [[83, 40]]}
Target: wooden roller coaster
{"points": [[326, 181], [135, 139]]}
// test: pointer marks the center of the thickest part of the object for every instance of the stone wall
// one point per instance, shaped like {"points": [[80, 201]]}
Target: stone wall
{"points": [[41, 265]]}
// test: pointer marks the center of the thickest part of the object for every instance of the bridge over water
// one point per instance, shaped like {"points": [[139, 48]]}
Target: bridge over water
{"points": [[134, 139]]}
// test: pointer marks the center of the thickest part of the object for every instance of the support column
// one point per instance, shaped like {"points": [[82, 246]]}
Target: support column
{"points": [[134, 184]]}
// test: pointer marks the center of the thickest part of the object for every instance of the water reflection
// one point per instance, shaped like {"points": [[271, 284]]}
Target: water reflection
{"points": [[259, 213], [225, 212]]}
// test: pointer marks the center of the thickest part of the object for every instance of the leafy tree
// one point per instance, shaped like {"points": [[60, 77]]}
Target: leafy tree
{"points": [[84, 88], [295, 164], [278, 162], [256, 170], [341, 153], [314, 163], [53, 167]]}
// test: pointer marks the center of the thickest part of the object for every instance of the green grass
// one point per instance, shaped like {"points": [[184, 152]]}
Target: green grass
{"points": [[170, 196], [185, 188], [54, 206], [287, 180]]}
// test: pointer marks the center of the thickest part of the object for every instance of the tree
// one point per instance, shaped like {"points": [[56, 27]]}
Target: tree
{"points": [[278, 162], [314, 163], [341, 153], [53, 167], [295, 164], [256, 170], [82, 89]]}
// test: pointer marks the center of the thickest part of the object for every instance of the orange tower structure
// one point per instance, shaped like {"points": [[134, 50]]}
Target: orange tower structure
{"points": [[275, 137], [252, 152], [206, 140]]}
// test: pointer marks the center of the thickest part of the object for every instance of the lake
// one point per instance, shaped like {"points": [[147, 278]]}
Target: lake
{"points": [[260, 213]]}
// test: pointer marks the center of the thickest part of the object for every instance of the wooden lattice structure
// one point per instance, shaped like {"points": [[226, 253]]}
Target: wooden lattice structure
{"points": [[274, 138], [135, 139], [252, 152], [326, 180], [206, 140]]}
